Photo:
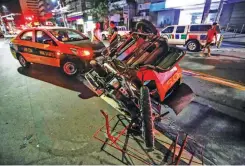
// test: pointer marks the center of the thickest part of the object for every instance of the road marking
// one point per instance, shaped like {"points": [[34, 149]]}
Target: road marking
{"points": [[214, 79]]}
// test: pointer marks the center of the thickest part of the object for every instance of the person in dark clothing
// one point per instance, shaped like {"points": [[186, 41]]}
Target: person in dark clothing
{"points": [[114, 32]]}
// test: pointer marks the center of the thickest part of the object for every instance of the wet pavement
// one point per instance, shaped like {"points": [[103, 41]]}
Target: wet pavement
{"points": [[47, 118]]}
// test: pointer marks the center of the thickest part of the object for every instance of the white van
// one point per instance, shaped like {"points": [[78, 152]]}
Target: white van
{"points": [[122, 31], [191, 36]]}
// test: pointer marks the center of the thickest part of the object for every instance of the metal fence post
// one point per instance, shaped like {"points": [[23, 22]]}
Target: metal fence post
{"points": [[242, 28], [227, 26]]}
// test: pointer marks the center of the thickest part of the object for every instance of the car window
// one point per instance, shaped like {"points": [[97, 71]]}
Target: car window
{"points": [[26, 36], [67, 35], [168, 30], [197, 28], [42, 36], [180, 29]]}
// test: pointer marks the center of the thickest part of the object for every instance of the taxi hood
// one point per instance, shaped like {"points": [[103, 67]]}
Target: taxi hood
{"points": [[88, 44]]}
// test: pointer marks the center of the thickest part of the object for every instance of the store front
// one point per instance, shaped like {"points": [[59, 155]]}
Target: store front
{"points": [[191, 11]]}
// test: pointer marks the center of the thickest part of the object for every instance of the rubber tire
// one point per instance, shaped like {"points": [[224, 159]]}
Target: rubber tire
{"points": [[147, 118], [197, 46], [27, 64], [103, 37], [62, 67]]}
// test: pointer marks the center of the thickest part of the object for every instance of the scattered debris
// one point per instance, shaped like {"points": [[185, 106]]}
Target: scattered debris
{"points": [[26, 141]]}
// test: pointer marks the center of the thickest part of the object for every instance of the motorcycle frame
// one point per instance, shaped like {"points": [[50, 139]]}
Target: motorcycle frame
{"points": [[163, 80]]}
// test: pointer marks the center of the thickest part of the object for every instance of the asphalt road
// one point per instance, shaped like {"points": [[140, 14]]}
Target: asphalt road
{"points": [[47, 118]]}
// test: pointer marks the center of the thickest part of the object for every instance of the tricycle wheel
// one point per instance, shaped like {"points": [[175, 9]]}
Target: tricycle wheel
{"points": [[147, 123]]}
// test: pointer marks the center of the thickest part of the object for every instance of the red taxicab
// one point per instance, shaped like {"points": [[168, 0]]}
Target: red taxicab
{"points": [[55, 46]]}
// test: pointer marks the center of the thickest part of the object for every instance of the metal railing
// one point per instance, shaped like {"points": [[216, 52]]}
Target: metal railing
{"points": [[233, 30]]}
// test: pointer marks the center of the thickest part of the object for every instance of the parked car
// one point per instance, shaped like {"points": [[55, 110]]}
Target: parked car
{"points": [[191, 36], [122, 31], [55, 46]]}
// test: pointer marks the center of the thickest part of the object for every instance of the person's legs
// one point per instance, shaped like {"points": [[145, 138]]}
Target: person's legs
{"points": [[209, 51], [203, 51]]}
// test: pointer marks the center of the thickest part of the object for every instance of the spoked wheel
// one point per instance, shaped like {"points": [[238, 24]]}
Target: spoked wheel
{"points": [[147, 122]]}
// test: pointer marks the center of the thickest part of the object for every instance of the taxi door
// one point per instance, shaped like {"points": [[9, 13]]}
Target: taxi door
{"points": [[46, 49], [25, 46]]}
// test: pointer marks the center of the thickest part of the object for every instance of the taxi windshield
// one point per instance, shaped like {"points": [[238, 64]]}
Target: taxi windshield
{"points": [[67, 35]]}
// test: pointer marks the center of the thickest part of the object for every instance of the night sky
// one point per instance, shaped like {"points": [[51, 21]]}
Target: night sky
{"points": [[13, 6]]}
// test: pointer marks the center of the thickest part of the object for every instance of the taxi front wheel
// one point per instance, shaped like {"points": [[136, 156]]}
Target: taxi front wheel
{"points": [[23, 62], [69, 68]]}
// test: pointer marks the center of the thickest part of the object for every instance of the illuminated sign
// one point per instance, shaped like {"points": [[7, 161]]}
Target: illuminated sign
{"points": [[181, 3], [157, 6], [144, 6]]}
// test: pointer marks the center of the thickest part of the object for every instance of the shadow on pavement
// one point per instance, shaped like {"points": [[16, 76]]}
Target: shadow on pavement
{"points": [[54, 76], [130, 145], [222, 135]]}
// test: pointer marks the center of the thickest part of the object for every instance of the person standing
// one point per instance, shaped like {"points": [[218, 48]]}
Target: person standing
{"points": [[212, 33], [97, 33], [114, 32]]}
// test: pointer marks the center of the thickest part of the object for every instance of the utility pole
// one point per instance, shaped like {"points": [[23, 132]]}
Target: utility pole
{"points": [[221, 4], [206, 10], [62, 13]]}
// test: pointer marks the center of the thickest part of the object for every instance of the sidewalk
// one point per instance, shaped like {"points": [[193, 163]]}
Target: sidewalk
{"points": [[235, 38]]}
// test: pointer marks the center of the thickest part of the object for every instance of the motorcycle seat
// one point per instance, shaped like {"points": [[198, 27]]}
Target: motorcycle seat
{"points": [[170, 59]]}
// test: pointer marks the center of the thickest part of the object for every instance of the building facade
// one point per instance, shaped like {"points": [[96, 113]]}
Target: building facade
{"points": [[77, 15], [233, 16], [30, 7], [37, 10], [167, 12]]}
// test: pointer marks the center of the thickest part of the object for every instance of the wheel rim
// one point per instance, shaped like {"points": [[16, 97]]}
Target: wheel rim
{"points": [[22, 61], [69, 68], [192, 46]]}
